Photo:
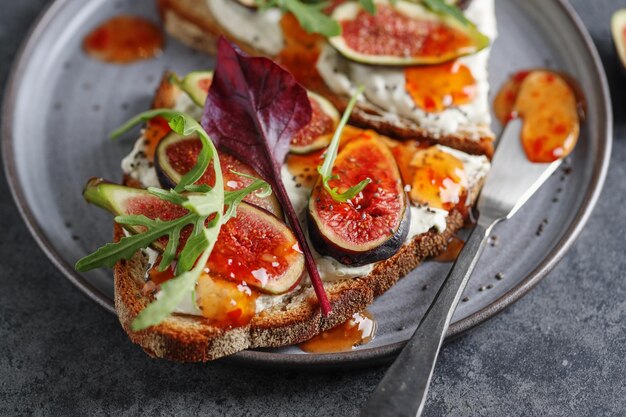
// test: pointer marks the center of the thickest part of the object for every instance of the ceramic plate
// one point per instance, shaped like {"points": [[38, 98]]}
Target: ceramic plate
{"points": [[60, 107]]}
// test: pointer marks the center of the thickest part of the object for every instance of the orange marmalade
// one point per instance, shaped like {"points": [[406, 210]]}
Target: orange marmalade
{"points": [[223, 303], [550, 109], [124, 39], [434, 177], [436, 87], [358, 330]]}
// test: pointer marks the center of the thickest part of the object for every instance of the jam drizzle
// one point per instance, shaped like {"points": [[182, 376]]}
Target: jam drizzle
{"points": [[551, 108], [223, 303], [434, 88], [124, 40], [454, 248], [434, 177], [356, 331]]}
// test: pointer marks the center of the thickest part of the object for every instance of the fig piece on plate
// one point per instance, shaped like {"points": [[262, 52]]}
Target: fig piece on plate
{"points": [[254, 247], [618, 27], [196, 84], [176, 155], [373, 225], [403, 33], [318, 133]]}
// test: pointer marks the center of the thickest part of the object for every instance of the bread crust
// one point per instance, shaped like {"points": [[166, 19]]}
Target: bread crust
{"points": [[191, 22], [187, 338]]}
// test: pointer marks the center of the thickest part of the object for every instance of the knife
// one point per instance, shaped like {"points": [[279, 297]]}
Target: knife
{"points": [[512, 180]]}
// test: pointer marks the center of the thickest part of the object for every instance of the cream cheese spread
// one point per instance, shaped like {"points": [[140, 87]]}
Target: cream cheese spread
{"points": [[261, 29]]}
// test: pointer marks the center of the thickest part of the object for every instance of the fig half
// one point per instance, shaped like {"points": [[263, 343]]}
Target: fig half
{"points": [[372, 226], [255, 247], [618, 27], [196, 84], [176, 155], [318, 133], [403, 33]]}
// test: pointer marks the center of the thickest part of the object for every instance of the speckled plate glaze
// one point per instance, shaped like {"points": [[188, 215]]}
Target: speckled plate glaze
{"points": [[61, 105]]}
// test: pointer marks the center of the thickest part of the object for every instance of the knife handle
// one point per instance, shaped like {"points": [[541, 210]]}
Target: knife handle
{"points": [[403, 390]]}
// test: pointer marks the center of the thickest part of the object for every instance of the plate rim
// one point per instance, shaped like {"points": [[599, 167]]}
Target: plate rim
{"points": [[367, 357]]}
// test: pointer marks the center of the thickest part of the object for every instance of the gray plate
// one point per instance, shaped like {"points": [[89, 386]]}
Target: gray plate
{"points": [[60, 106]]}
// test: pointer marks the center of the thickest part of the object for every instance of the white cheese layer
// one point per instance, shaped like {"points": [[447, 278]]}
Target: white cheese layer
{"points": [[260, 29], [138, 167], [385, 85]]}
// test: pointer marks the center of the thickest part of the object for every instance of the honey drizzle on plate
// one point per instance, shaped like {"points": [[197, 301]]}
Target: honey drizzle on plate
{"points": [[452, 251], [551, 108], [124, 39], [356, 331]]}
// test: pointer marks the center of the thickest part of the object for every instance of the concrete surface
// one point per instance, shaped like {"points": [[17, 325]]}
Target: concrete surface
{"points": [[557, 352]]}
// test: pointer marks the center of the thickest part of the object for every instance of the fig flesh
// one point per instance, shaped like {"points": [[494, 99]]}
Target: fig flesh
{"points": [[403, 33], [372, 226], [254, 247], [318, 133], [196, 84], [176, 155]]}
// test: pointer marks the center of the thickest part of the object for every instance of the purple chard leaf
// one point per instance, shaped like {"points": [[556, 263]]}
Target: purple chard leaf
{"points": [[253, 109]]}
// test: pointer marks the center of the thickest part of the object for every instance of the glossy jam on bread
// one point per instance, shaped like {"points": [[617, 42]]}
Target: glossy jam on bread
{"points": [[436, 87]]}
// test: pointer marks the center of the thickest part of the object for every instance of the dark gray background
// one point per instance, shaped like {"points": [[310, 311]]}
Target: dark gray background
{"points": [[558, 352]]}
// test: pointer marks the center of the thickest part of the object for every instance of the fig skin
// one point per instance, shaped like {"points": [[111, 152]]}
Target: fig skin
{"points": [[269, 203], [356, 257], [115, 199]]}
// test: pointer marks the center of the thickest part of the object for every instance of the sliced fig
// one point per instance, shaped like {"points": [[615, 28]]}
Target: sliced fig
{"points": [[196, 84], [618, 27], [176, 155], [372, 226], [255, 247], [318, 133], [403, 33]]}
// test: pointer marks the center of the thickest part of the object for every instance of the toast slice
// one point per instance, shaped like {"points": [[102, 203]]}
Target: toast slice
{"points": [[467, 129], [284, 320]]}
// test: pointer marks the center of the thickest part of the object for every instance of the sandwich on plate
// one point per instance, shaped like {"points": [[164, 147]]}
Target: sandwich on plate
{"points": [[251, 214], [391, 52]]}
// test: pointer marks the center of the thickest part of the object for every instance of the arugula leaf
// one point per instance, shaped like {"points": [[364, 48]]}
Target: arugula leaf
{"points": [[441, 7], [233, 198], [202, 201], [184, 125], [126, 247], [310, 15], [172, 293], [369, 6], [312, 18], [326, 169]]}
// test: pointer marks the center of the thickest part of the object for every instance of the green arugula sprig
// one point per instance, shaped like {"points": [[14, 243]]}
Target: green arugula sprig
{"points": [[443, 8], [206, 213], [326, 169], [311, 15], [313, 19]]}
